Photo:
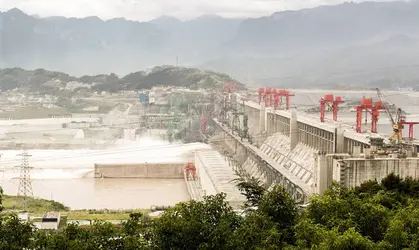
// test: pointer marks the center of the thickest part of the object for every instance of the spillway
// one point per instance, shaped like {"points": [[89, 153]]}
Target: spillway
{"points": [[67, 175]]}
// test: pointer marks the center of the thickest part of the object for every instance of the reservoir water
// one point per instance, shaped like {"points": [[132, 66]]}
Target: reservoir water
{"points": [[67, 175]]}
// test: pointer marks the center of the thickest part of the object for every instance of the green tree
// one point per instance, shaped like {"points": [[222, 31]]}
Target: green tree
{"points": [[271, 225], [14, 234], [1, 199], [209, 224], [258, 231], [308, 234], [252, 189], [349, 240], [280, 206], [403, 231], [136, 232]]}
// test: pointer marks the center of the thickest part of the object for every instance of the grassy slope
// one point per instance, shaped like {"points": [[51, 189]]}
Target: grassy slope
{"points": [[38, 207]]}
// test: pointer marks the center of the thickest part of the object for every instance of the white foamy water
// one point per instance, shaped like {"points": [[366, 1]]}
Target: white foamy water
{"points": [[67, 175]]}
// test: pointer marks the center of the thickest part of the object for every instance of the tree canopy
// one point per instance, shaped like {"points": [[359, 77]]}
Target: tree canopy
{"points": [[375, 215]]}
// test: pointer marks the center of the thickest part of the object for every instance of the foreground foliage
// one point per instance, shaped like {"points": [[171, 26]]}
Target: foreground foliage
{"points": [[373, 216]]}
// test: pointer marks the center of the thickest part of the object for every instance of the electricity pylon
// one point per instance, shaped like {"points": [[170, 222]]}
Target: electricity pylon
{"points": [[25, 185]]}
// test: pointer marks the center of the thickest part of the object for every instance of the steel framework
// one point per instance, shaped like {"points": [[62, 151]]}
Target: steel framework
{"points": [[274, 97], [25, 184], [368, 106], [326, 100]]}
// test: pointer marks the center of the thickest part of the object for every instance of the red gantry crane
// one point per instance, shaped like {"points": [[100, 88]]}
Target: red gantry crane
{"points": [[327, 100], [282, 93], [274, 97], [411, 131], [373, 109]]}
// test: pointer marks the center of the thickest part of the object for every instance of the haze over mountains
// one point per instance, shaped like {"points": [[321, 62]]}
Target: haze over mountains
{"points": [[323, 46]]}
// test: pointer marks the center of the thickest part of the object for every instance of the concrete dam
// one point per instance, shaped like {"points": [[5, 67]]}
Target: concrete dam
{"points": [[282, 147], [304, 155]]}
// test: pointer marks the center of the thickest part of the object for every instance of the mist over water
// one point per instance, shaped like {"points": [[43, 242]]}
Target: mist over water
{"points": [[67, 175]]}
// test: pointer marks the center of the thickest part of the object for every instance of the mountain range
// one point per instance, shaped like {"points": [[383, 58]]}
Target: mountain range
{"points": [[52, 82], [351, 44]]}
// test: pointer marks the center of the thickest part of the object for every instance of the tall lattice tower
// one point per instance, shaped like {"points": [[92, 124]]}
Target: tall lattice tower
{"points": [[25, 185]]}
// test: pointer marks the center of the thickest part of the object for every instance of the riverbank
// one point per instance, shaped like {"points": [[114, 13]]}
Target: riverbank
{"points": [[37, 207]]}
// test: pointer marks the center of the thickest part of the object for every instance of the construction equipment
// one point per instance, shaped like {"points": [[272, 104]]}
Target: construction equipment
{"points": [[274, 97], [327, 100], [285, 93], [368, 106], [397, 124], [411, 125], [190, 171]]}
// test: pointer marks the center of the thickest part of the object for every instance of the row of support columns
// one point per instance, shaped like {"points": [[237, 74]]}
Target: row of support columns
{"points": [[318, 138], [311, 135], [247, 162], [325, 141], [257, 167]]}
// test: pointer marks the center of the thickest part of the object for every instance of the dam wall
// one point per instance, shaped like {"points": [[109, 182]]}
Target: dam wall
{"points": [[328, 137], [305, 156], [215, 175], [352, 172], [141, 170]]}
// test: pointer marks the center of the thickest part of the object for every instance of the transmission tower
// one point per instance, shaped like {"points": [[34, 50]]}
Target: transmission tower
{"points": [[25, 185]]}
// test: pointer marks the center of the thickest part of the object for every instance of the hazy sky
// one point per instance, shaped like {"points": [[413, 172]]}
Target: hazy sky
{"points": [[144, 10]]}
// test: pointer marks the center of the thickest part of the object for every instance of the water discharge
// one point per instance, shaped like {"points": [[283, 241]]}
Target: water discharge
{"points": [[67, 175]]}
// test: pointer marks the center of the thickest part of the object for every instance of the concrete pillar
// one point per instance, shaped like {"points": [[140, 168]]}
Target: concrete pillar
{"points": [[269, 121], [321, 174], [293, 130], [367, 153], [262, 117], [339, 141], [410, 152], [356, 151]]}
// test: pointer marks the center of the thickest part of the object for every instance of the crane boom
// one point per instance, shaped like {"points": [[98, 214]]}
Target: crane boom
{"points": [[397, 125], [384, 102]]}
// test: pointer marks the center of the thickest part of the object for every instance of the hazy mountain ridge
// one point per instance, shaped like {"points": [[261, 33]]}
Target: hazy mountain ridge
{"points": [[302, 47], [106, 46], [51, 81]]}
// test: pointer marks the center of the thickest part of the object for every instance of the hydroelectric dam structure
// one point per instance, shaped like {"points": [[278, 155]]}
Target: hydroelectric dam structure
{"points": [[300, 153], [278, 146]]}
